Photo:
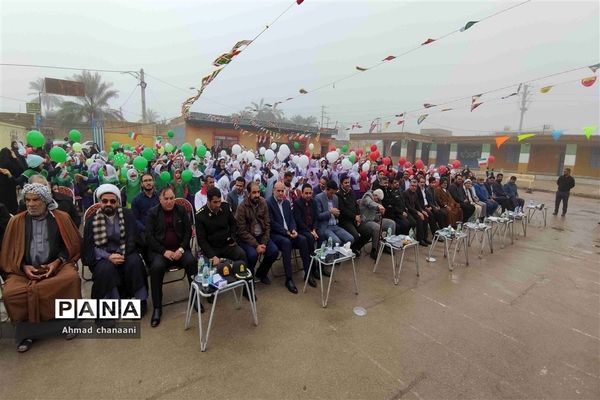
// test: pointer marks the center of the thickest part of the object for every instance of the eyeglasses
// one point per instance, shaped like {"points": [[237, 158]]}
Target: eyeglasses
{"points": [[111, 201]]}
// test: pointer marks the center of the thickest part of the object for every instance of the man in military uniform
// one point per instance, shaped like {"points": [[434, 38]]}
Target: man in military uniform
{"points": [[216, 230], [395, 209]]}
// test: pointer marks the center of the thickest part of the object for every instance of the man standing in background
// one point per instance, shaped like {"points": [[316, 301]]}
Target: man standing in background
{"points": [[565, 183]]}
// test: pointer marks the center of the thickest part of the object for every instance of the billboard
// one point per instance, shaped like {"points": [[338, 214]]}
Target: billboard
{"points": [[63, 87], [33, 108]]}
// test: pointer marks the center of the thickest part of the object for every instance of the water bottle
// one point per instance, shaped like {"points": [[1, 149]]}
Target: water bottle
{"points": [[337, 246], [200, 269], [459, 227], [322, 252], [330, 243], [389, 232], [411, 233], [205, 275]]}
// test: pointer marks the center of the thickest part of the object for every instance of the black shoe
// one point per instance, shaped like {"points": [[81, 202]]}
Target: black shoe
{"points": [[423, 243], [373, 254], [555, 213], [427, 241], [387, 250], [315, 273], [24, 345], [326, 271], [201, 307], [563, 214], [311, 281], [289, 284], [245, 294], [144, 308], [264, 280], [210, 299], [156, 314]]}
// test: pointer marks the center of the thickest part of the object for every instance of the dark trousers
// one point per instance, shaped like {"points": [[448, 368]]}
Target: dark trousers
{"points": [[233, 253], [285, 245], [269, 257], [564, 196], [504, 203], [432, 221], [421, 228], [403, 225], [361, 233], [310, 240], [158, 267], [517, 202], [468, 210], [128, 277]]}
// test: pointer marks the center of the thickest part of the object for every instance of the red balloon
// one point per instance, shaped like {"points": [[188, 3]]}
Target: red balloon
{"points": [[381, 168], [456, 164], [402, 161], [442, 169], [373, 147], [374, 155], [419, 164], [407, 165], [332, 148], [491, 159], [387, 161], [359, 153], [363, 174], [307, 153]]}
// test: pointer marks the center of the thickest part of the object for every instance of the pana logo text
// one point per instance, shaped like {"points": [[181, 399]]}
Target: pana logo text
{"points": [[93, 309]]}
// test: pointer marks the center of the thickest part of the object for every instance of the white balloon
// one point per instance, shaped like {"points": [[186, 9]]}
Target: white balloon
{"points": [[285, 150], [257, 163], [236, 149], [273, 146], [311, 147], [223, 153], [198, 142], [346, 164], [236, 174], [303, 161], [295, 159], [262, 151], [250, 156], [269, 155], [366, 166], [280, 155], [332, 156]]}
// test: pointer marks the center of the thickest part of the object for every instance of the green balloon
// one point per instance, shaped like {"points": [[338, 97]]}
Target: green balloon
{"points": [[115, 145], [127, 147], [186, 175], [75, 135], [111, 155], [187, 148], [148, 154], [124, 173], [169, 148], [140, 163], [345, 148], [119, 160], [296, 145], [165, 176], [58, 154], [171, 134], [35, 139], [352, 159], [201, 151]]}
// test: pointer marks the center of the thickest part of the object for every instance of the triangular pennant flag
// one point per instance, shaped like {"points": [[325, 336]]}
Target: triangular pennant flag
{"points": [[361, 68], [500, 140], [468, 25], [400, 115], [556, 134], [299, 2], [594, 67], [240, 45], [546, 89], [446, 109], [524, 136], [422, 118], [475, 105], [587, 82], [428, 41], [302, 91], [400, 122], [223, 59], [389, 58], [428, 105], [588, 131]]}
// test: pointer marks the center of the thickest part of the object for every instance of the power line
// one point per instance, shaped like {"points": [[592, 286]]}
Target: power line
{"points": [[66, 68]]}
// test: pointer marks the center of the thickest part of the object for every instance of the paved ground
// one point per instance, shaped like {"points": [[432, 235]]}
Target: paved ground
{"points": [[523, 323]]}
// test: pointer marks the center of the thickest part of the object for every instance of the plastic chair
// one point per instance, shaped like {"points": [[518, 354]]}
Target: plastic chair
{"points": [[89, 212], [66, 191]]}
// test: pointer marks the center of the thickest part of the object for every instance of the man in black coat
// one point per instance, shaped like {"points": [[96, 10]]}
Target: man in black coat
{"points": [[411, 200], [565, 183], [395, 209], [435, 216], [168, 234], [457, 192], [350, 219], [110, 249]]}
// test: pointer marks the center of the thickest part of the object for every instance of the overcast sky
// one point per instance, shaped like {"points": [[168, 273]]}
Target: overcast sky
{"points": [[313, 44]]}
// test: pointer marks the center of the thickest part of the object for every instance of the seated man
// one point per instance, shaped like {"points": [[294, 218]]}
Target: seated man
{"points": [[237, 195], [328, 214], [216, 231], [512, 192], [433, 215], [168, 234], [110, 250], [497, 192], [64, 202], [350, 219], [322, 186], [254, 232], [144, 201], [39, 252], [441, 216], [482, 194], [305, 214], [372, 211], [395, 209], [414, 209], [457, 191], [286, 237], [200, 197]]}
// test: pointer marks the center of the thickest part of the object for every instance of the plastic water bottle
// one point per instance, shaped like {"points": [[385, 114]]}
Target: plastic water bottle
{"points": [[389, 232], [200, 269], [411, 233], [322, 252], [206, 274], [330, 243]]}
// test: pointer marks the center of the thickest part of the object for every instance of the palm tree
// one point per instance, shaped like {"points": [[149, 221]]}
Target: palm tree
{"points": [[265, 112], [49, 101], [306, 121], [94, 105]]}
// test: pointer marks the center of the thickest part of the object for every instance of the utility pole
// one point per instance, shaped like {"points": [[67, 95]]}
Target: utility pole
{"points": [[322, 115], [143, 87], [524, 104]]}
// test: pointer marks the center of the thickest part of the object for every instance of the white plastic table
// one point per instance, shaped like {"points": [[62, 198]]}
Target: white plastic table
{"points": [[338, 259], [532, 210], [456, 239], [395, 244], [519, 216], [197, 292], [502, 227], [480, 232]]}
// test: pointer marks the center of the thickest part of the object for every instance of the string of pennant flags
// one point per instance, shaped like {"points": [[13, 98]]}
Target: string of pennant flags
{"points": [[222, 61]]}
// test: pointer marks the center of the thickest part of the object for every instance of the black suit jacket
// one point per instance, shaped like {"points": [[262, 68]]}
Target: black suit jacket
{"points": [[155, 228], [411, 200], [300, 209]]}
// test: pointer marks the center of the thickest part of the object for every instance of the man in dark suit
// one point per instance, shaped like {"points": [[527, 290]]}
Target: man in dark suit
{"points": [[329, 212], [305, 214], [286, 237], [458, 194], [237, 195], [427, 206], [441, 216], [395, 209], [350, 219], [414, 209]]}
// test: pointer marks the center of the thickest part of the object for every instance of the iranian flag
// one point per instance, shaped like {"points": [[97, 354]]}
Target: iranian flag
{"points": [[133, 135], [482, 162]]}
